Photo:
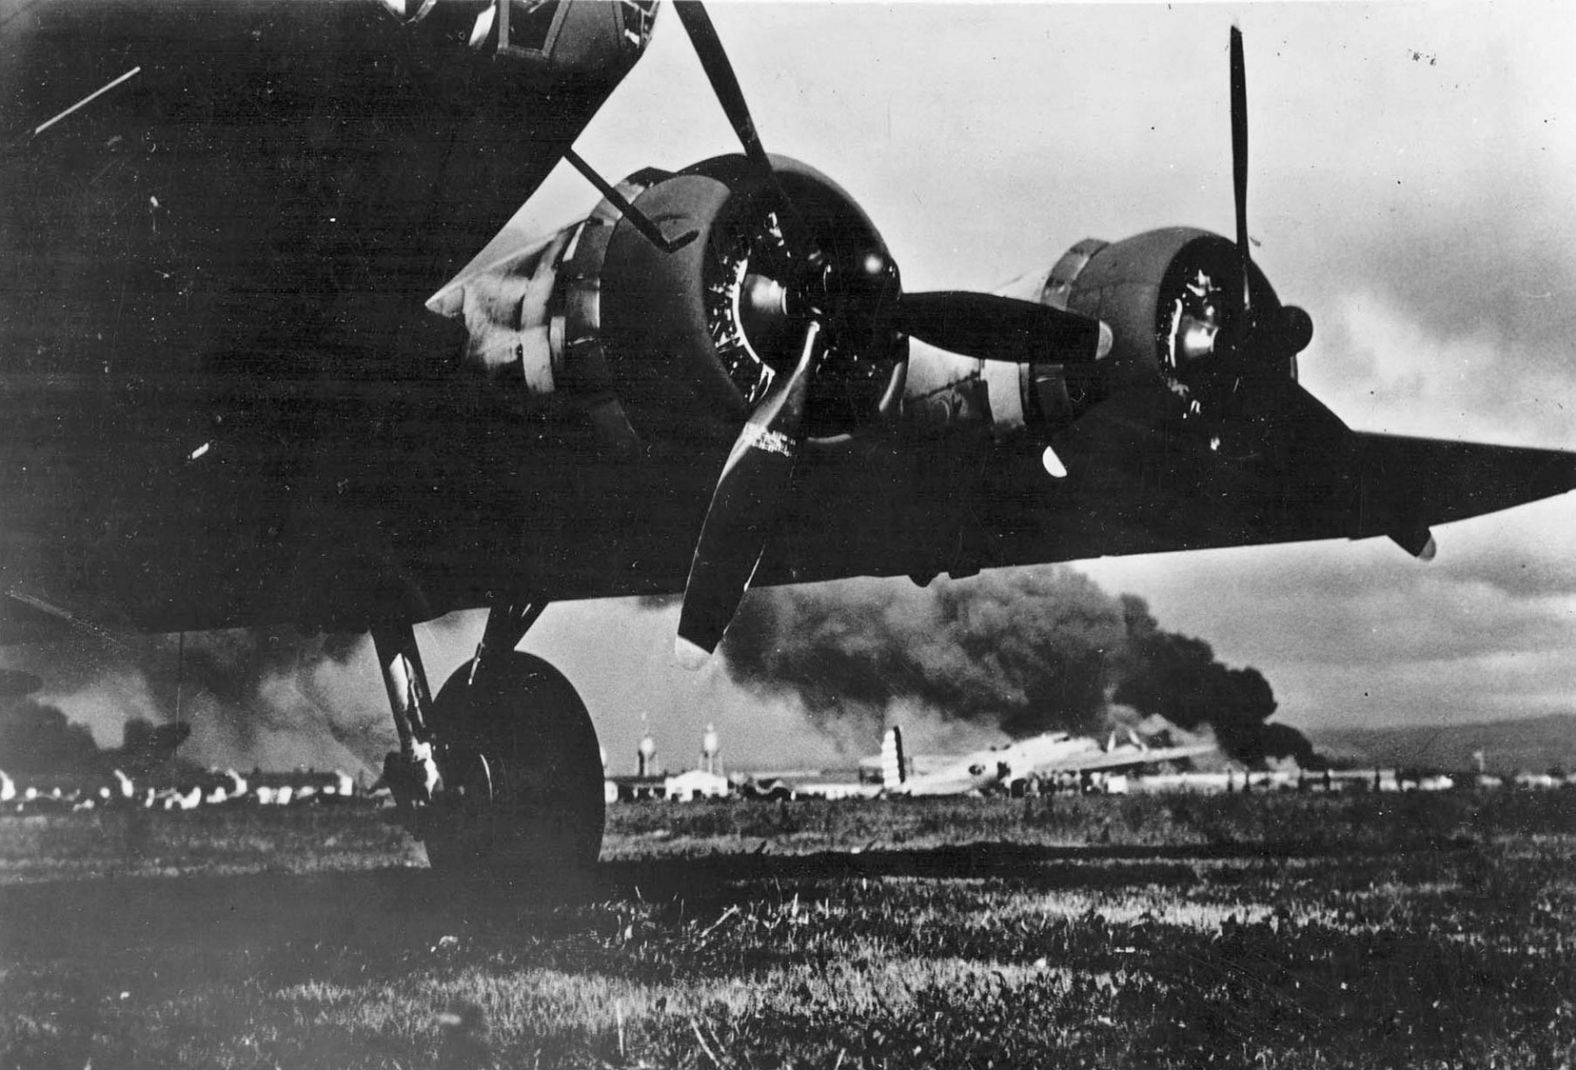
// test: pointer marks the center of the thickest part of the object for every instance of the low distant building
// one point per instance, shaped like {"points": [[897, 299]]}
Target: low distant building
{"points": [[637, 788], [696, 784], [299, 786], [1235, 780]]}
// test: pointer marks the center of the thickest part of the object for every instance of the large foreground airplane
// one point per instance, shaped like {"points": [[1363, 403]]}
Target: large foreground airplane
{"points": [[229, 396]]}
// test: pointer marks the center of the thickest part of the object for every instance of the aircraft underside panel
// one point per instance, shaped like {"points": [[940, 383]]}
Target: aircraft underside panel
{"points": [[309, 512]]}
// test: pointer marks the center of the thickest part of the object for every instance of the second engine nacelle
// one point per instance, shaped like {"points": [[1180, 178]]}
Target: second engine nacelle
{"points": [[1174, 300]]}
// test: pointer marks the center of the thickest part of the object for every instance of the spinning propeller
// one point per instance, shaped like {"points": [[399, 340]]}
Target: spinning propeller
{"points": [[850, 295]]}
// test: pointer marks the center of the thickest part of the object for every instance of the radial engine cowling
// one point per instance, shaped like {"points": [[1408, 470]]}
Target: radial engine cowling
{"points": [[1174, 301], [694, 338], [681, 344]]}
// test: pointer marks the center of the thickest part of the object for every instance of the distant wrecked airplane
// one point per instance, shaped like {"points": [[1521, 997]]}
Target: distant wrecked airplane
{"points": [[1008, 768]]}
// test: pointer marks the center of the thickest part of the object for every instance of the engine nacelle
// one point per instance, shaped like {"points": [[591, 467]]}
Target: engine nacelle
{"points": [[1173, 301], [679, 343], [695, 338], [1172, 298]]}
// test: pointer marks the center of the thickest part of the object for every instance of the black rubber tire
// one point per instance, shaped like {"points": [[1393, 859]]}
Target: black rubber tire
{"points": [[545, 819]]}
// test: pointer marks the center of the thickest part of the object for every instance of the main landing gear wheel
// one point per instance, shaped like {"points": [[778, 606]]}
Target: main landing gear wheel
{"points": [[522, 774]]}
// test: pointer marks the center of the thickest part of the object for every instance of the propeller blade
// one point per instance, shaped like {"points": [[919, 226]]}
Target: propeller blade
{"points": [[744, 507], [1239, 155], [719, 72], [991, 327], [725, 85]]}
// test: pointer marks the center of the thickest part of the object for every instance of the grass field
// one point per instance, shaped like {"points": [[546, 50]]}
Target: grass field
{"points": [[1290, 931]]}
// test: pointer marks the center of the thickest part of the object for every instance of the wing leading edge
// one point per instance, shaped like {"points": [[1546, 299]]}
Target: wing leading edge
{"points": [[1418, 482]]}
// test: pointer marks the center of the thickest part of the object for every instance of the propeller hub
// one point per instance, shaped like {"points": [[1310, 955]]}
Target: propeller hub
{"points": [[1225, 360], [1195, 340], [763, 312], [1267, 334], [1296, 328], [875, 268], [767, 272]]}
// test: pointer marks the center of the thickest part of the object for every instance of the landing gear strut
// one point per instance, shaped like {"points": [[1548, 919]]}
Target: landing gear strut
{"points": [[411, 772], [518, 789]]}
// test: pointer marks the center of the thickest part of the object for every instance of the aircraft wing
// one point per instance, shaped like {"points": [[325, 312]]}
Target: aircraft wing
{"points": [[1123, 758], [1417, 482], [1134, 484]]}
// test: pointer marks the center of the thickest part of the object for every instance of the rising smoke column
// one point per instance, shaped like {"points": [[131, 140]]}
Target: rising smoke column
{"points": [[1177, 677], [1023, 652], [38, 737], [1018, 651]]}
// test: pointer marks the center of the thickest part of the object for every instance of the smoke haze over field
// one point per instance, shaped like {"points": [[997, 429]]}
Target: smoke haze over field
{"points": [[278, 698], [1019, 651], [1024, 650]]}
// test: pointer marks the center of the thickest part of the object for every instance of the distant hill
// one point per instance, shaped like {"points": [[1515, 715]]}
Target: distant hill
{"points": [[1535, 744]]}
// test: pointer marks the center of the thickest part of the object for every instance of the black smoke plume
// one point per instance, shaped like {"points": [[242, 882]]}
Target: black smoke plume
{"points": [[1021, 652], [1177, 677], [147, 746], [15, 684], [37, 737], [277, 697], [1024, 652]]}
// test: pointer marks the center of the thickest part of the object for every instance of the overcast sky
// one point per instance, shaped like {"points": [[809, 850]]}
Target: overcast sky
{"points": [[1413, 185]]}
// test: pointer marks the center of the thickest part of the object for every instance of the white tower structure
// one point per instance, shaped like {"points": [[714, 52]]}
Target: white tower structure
{"points": [[646, 755], [709, 746]]}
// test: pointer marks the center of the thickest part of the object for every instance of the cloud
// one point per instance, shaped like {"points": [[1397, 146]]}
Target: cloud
{"points": [[1346, 630], [1457, 351], [1522, 577], [1461, 690]]}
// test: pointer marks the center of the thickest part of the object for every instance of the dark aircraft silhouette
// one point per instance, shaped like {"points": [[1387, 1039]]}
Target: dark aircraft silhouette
{"points": [[230, 397]]}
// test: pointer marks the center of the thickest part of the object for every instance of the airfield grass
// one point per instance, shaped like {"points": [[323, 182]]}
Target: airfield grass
{"points": [[1261, 931]]}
